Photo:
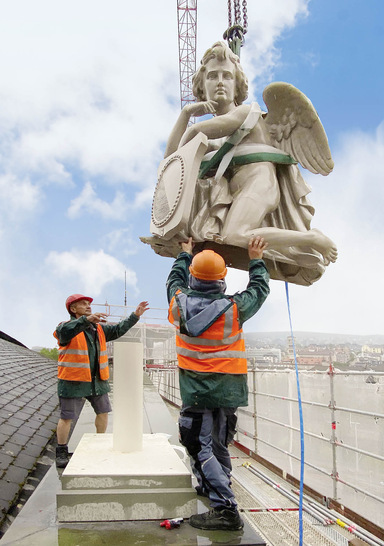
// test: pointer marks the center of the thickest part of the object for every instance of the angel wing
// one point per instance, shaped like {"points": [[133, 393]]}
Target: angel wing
{"points": [[296, 128]]}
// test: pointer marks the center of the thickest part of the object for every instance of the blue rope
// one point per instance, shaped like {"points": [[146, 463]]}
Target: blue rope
{"points": [[301, 426]]}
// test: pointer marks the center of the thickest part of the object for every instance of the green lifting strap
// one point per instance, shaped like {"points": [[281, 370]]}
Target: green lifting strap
{"points": [[207, 166]]}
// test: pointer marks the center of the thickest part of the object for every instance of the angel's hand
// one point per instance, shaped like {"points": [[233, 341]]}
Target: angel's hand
{"points": [[196, 109], [181, 133]]}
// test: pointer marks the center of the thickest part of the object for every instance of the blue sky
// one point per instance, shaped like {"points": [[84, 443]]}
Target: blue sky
{"points": [[88, 95]]}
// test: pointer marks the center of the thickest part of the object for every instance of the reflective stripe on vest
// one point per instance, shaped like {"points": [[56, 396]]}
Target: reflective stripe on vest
{"points": [[174, 313], [74, 362], [219, 349]]}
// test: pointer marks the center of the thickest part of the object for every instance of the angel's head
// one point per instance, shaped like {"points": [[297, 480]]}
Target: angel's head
{"points": [[221, 53]]}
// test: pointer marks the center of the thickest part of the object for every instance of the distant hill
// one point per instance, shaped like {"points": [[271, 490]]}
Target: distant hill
{"points": [[307, 338]]}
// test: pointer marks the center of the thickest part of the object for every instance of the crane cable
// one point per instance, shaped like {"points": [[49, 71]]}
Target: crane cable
{"points": [[236, 31], [301, 423]]}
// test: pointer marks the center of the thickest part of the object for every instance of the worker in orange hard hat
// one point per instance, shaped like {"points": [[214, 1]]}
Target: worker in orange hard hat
{"points": [[83, 370], [212, 367], [208, 266]]}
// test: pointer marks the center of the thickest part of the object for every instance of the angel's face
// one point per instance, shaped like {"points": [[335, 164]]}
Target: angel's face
{"points": [[220, 81]]}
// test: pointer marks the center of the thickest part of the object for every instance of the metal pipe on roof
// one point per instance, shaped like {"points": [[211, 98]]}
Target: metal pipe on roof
{"points": [[287, 494], [365, 535]]}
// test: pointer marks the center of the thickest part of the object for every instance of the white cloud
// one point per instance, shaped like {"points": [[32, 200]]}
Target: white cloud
{"points": [[144, 197], [118, 209], [88, 201], [76, 91], [267, 24], [18, 196], [121, 241], [89, 271]]}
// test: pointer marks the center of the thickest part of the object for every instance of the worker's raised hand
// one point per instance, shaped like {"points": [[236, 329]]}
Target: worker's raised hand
{"points": [[187, 246], [256, 247], [95, 318], [141, 308]]}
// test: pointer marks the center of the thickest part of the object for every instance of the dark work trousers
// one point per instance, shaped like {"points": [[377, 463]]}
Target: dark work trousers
{"points": [[206, 433]]}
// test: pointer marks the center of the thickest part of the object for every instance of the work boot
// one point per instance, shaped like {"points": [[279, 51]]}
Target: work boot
{"points": [[62, 456], [218, 520]]}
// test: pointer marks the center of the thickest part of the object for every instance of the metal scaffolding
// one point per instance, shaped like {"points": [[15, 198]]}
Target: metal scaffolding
{"points": [[153, 331]]}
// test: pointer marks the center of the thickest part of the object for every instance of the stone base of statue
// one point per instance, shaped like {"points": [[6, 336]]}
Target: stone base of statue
{"points": [[102, 484]]}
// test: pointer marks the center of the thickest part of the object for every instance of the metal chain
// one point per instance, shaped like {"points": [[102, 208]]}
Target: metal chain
{"points": [[235, 33], [236, 8], [245, 18], [237, 14]]}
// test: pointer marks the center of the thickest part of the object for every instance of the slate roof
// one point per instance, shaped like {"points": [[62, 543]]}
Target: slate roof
{"points": [[28, 416]]}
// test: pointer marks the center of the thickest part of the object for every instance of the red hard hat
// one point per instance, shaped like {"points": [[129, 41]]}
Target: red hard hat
{"points": [[74, 298], [208, 266]]}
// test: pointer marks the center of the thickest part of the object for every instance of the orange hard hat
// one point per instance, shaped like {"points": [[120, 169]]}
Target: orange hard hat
{"points": [[208, 266], [74, 298]]}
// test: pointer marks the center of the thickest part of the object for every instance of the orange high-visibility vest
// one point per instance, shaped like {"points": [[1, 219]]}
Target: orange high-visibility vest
{"points": [[74, 362], [220, 349]]}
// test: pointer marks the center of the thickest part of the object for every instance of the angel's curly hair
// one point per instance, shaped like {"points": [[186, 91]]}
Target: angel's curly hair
{"points": [[220, 51]]}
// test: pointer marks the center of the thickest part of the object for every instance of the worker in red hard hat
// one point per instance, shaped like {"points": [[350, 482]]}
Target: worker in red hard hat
{"points": [[83, 370], [212, 368], [75, 298]]}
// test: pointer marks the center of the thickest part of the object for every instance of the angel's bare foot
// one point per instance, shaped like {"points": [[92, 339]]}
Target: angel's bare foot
{"points": [[323, 244], [304, 257], [285, 241]]}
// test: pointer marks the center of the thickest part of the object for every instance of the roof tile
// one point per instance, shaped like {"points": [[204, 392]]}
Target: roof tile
{"points": [[28, 416]]}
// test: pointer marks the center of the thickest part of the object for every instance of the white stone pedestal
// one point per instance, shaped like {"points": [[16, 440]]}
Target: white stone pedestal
{"points": [[101, 484]]}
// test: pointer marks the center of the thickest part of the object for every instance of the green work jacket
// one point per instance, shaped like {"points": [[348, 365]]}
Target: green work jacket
{"points": [[218, 390], [65, 331]]}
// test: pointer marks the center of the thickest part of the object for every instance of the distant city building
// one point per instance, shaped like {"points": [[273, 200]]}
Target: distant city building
{"points": [[307, 357], [291, 343], [342, 357], [314, 359], [368, 350], [264, 356]]}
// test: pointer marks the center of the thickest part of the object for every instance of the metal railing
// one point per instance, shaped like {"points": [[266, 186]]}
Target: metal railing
{"points": [[343, 429], [153, 331]]}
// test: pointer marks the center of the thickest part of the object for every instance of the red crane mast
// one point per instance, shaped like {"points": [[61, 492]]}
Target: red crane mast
{"points": [[187, 25]]}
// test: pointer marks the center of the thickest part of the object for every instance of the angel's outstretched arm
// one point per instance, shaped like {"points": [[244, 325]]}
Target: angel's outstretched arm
{"points": [[218, 126], [190, 110]]}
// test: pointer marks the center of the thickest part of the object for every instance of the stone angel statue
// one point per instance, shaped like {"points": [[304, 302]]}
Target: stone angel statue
{"points": [[235, 175]]}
